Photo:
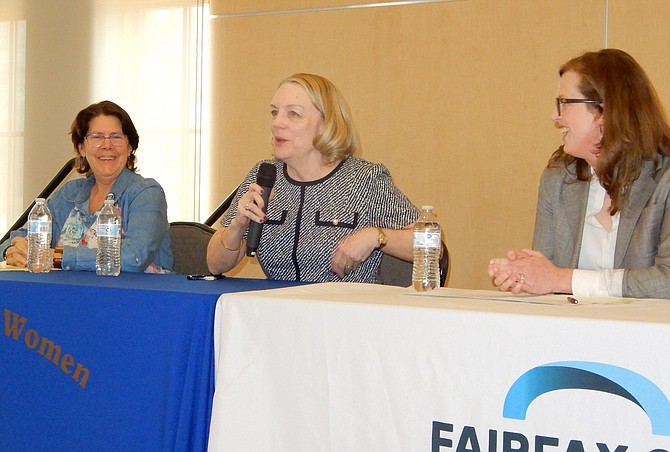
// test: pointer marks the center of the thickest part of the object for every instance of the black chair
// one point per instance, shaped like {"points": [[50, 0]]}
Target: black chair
{"points": [[189, 241], [222, 208], [444, 265], [189, 247], [51, 186], [397, 272]]}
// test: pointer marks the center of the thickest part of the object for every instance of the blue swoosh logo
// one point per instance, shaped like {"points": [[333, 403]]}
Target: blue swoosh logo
{"points": [[593, 376]]}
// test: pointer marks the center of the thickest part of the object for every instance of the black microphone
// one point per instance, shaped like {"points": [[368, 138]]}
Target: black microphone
{"points": [[267, 174]]}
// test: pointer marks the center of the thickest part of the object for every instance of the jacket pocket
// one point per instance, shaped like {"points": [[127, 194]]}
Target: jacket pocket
{"points": [[336, 219], [281, 219]]}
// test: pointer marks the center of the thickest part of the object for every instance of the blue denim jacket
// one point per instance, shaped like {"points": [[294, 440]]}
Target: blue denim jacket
{"points": [[146, 231]]}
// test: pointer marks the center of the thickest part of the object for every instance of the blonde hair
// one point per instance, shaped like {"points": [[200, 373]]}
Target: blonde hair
{"points": [[338, 138]]}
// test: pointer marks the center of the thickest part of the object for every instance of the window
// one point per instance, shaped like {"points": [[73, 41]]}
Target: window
{"points": [[12, 98], [151, 60], [150, 57]]}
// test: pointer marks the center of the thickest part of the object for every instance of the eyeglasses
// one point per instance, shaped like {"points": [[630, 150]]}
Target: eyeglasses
{"points": [[560, 101], [96, 139]]}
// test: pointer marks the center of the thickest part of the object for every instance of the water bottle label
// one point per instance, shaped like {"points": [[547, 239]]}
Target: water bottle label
{"points": [[426, 240], [36, 227], [109, 230]]}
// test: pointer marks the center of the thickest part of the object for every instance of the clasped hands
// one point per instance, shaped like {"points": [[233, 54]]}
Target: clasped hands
{"points": [[17, 253], [525, 271]]}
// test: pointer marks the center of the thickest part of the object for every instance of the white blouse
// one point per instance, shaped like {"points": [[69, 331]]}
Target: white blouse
{"points": [[595, 275]]}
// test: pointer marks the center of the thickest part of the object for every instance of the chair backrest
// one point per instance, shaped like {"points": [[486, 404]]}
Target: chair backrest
{"points": [[58, 179], [189, 247], [444, 265], [397, 272]]}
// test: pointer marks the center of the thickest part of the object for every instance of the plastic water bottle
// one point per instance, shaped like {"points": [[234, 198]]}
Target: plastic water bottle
{"points": [[427, 245], [40, 259], [108, 258]]}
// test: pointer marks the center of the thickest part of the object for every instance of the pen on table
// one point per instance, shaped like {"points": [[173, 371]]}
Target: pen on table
{"points": [[573, 300]]}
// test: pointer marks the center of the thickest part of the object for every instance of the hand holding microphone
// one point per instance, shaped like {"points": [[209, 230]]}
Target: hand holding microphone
{"points": [[266, 177]]}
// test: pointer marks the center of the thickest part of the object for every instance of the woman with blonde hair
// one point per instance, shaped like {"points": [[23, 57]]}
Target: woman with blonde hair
{"points": [[602, 226], [330, 215]]}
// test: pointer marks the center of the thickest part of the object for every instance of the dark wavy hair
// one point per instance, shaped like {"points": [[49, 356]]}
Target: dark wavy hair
{"points": [[635, 127], [79, 130]]}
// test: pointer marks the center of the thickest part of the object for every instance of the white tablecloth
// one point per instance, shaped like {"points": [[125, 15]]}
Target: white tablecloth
{"points": [[356, 367]]}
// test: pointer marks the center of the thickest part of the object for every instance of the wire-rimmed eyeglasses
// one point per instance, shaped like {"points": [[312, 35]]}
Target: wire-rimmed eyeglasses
{"points": [[561, 101], [96, 139]]}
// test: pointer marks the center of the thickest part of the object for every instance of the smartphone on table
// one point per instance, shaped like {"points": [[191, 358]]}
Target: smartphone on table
{"points": [[204, 277]]}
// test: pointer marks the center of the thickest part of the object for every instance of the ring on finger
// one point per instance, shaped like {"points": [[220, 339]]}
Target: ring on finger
{"points": [[522, 278]]}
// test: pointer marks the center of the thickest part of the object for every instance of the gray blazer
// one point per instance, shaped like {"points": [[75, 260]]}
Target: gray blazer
{"points": [[643, 238]]}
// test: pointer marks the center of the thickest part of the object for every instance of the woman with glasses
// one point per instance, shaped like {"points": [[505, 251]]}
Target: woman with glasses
{"points": [[602, 225], [105, 141]]}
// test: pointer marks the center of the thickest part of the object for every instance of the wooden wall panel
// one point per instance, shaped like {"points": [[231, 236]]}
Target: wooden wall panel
{"points": [[254, 7], [453, 97], [641, 29]]}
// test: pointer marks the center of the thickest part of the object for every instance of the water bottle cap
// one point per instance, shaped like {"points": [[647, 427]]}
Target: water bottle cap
{"points": [[426, 207], [109, 202], [40, 200]]}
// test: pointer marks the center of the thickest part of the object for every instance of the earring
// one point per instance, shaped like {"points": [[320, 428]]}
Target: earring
{"points": [[82, 162]]}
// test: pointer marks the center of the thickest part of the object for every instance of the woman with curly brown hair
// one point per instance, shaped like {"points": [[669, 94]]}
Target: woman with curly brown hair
{"points": [[105, 140]]}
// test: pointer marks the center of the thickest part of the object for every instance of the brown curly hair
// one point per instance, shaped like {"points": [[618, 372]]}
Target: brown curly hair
{"points": [[79, 130]]}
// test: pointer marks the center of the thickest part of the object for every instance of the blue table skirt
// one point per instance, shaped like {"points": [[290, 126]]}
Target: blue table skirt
{"points": [[90, 363]]}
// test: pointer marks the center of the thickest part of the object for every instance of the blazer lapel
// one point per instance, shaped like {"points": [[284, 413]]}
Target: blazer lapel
{"points": [[573, 201], [640, 192]]}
